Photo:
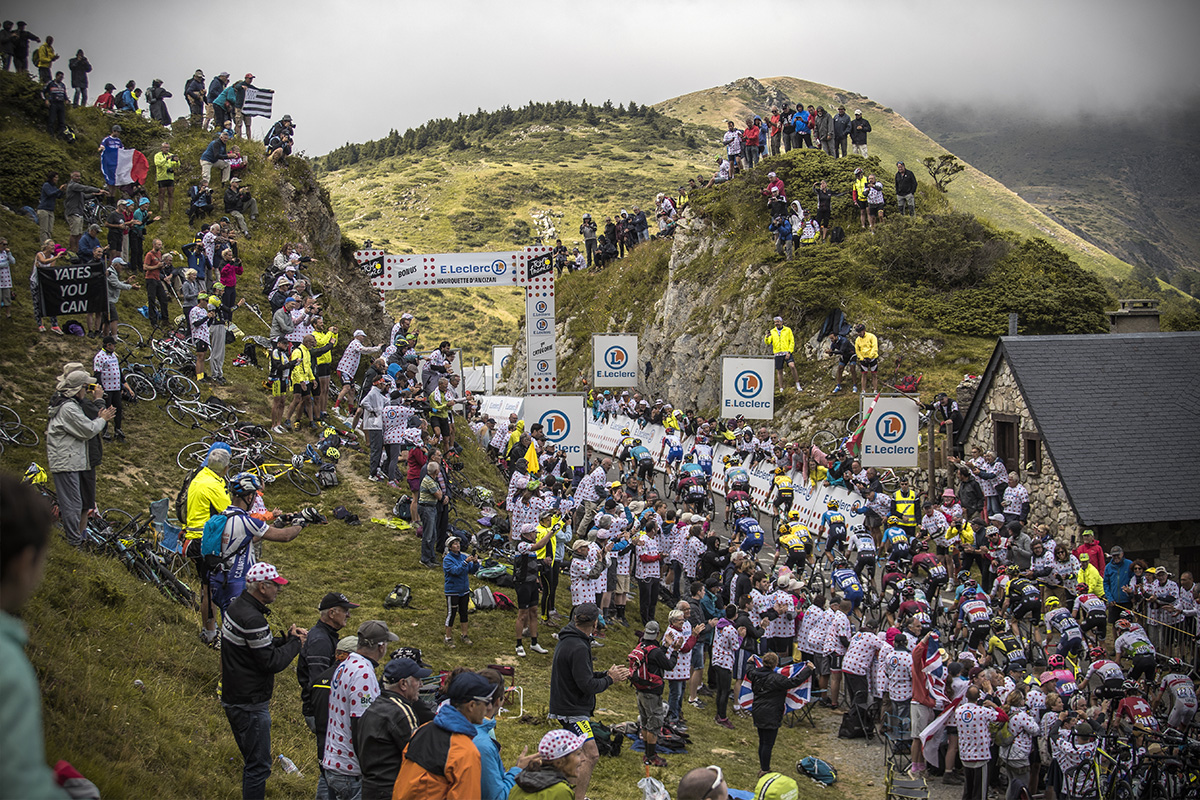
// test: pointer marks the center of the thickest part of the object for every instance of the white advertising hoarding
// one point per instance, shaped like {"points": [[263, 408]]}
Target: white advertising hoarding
{"points": [[500, 357], [748, 387], [892, 434], [539, 340], [614, 360], [564, 419]]}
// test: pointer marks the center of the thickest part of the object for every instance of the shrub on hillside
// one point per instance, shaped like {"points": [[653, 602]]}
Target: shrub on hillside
{"points": [[26, 159], [1050, 292], [814, 283], [945, 251]]}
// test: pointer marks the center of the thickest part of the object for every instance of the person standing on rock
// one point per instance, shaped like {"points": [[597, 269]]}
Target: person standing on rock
{"points": [[588, 231], [906, 190], [783, 343], [859, 129], [841, 130]]}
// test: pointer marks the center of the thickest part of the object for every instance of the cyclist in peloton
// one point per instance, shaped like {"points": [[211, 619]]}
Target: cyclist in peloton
{"points": [[737, 477], [833, 528], [782, 492], [896, 542], [845, 581], [1104, 678], [1091, 612], [797, 540], [1132, 641], [737, 505], [862, 547], [749, 535], [623, 449], [1177, 689], [1005, 647], [905, 604], [1070, 635], [892, 576], [1133, 707], [975, 618], [703, 452], [1022, 597], [672, 445], [926, 565], [645, 464]]}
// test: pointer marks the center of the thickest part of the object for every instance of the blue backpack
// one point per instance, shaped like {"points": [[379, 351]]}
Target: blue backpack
{"points": [[820, 771]]}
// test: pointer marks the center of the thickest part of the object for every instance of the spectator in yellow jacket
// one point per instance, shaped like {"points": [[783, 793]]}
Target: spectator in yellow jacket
{"points": [[866, 347], [783, 344], [43, 58], [1090, 575]]}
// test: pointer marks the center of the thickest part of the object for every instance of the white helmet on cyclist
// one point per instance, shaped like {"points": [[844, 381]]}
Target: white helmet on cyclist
{"points": [[244, 484]]}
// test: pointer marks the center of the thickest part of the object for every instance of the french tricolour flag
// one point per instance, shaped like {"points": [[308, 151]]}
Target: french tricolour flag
{"points": [[121, 167]]}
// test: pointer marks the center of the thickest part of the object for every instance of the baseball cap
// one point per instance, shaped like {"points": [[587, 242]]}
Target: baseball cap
{"points": [[347, 644], [375, 631], [559, 743], [651, 631], [406, 315], [770, 174], [119, 262], [400, 668], [335, 600], [249, 76], [222, 74], [587, 612], [468, 686], [359, 333], [579, 544], [262, 571], [529, 527]]}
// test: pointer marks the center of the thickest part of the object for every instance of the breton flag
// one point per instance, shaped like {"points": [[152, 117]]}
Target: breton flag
{"points": [[797, 697], [258, 102], [124, 166]]}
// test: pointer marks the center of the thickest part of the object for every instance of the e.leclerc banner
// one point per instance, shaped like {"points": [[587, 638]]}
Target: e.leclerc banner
{"points": [[73, 289], [614, 360], [500, 357], [891, 438], [564, 420], [747, 387]]}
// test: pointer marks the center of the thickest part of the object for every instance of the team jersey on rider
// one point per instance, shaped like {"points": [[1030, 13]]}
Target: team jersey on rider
{"points": [[1008, 645], [795, 537], [862, 543], [1021, 590], [693, 469], [899, 541], [834, 521], [1180, 687], [1133, 642], [929, 565], [737, 475], [704, 457], [1090, 604], [1138, 711], [975, 612], [674, 446], [783, 486], [1108, 671], [749, 528], [625, 445], [641, 453], [846, 581], [1061, 621]]}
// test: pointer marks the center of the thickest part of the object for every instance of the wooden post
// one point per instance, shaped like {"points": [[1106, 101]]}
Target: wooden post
{"points": [[948, 451], [930, 459]]}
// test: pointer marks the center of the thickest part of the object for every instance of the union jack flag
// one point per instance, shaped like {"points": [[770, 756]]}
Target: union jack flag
{"points": [[797, 698]]}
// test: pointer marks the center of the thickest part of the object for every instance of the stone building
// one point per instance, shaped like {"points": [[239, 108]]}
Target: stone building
{"points": [[1104, 432]]}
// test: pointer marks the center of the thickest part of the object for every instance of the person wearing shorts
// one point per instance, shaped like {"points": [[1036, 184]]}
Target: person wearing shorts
{"points": [[525, 573], [866, 348]]}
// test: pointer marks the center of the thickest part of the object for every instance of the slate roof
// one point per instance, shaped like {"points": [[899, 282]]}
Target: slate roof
{"points": [[1120, 418]]}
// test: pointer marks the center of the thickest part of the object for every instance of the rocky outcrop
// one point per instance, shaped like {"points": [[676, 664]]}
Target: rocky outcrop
{"points": [[308, 211]]}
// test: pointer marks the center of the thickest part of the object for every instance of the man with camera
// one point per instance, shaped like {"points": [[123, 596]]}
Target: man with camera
{"points": [[237, 200]]}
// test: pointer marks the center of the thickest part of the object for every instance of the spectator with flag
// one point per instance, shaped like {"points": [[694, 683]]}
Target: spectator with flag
{"points": [[772, 687], [929, 700], [121, 165]]}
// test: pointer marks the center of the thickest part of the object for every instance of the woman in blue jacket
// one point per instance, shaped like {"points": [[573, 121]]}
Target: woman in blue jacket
{"points": [[457, 569]]}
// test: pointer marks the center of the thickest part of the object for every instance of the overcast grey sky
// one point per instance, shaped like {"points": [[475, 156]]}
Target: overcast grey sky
{"points": [[352, 70]]}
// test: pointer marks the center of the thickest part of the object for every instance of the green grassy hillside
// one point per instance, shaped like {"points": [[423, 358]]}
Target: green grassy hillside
{"points": [[893, 138], [95, 630]]}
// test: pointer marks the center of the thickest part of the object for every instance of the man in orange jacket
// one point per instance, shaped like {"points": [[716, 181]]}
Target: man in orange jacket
{"points": [[441, 761]]}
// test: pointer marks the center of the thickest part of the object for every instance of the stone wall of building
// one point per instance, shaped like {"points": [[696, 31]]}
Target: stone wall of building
{"points": [[1047, 500]]}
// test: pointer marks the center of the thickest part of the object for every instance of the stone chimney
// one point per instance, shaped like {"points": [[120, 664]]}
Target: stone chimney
{"points": [[1134, 316]]}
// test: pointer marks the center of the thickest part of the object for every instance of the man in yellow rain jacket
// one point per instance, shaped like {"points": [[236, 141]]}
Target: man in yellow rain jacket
{"points": [[783, 344]]}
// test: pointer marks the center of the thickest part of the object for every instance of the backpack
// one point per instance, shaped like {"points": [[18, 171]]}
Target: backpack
{"points": [[1002, 735], [399, 597], [492, 572], [503, 601], [640, 675], [483, 599], [215, 559], [909, 383], [820, 771], [181, 498], [327, 476], [776, 786], [403, 508], [837, 235]]}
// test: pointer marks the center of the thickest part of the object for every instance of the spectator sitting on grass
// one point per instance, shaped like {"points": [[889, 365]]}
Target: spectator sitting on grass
{"points": [[721, 175]]}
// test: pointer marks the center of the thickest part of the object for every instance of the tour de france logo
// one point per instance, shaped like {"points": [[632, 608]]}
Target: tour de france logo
{"points": [[890, 427], [557, 426], [748, 384], [499, 267], [615, 357]]}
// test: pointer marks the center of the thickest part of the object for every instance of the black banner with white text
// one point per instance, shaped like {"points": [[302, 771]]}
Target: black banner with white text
{"points": [[73, 289]]}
